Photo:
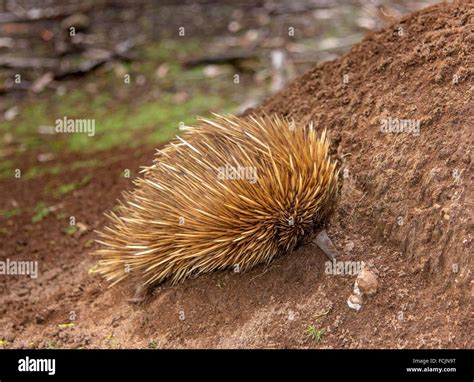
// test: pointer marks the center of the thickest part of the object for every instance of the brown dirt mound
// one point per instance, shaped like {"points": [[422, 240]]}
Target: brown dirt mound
{"points": [[402, 211]]}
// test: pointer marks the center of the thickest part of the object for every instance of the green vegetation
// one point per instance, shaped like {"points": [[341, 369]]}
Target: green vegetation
{"points": [[70, 230], [88, 243], [52, 344], [125, 114], [36, 171], [60, 215], [66, 188], [7, 214], [315, 334], [6, 168], [64, 326], [152, 345], [40, 212]]}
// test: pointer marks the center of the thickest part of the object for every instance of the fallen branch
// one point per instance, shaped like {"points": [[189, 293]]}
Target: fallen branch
{"points": [[80, 69], [36, 14], [296, 8], [24, 85], [120, 52], [28, 63], [61, 69], [234, 59]]}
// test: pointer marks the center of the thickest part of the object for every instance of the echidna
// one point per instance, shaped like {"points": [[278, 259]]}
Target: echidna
{"points": [[230, 192]]}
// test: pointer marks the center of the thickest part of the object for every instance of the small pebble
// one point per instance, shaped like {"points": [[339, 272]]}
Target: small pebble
{"points": [[366, 283], [354, 302]]}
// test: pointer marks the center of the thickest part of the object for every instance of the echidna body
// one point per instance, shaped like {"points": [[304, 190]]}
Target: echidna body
{"points": [[230, 192]]}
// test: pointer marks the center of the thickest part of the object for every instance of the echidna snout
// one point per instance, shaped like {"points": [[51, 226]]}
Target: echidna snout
{"points": [[231, 191]]}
